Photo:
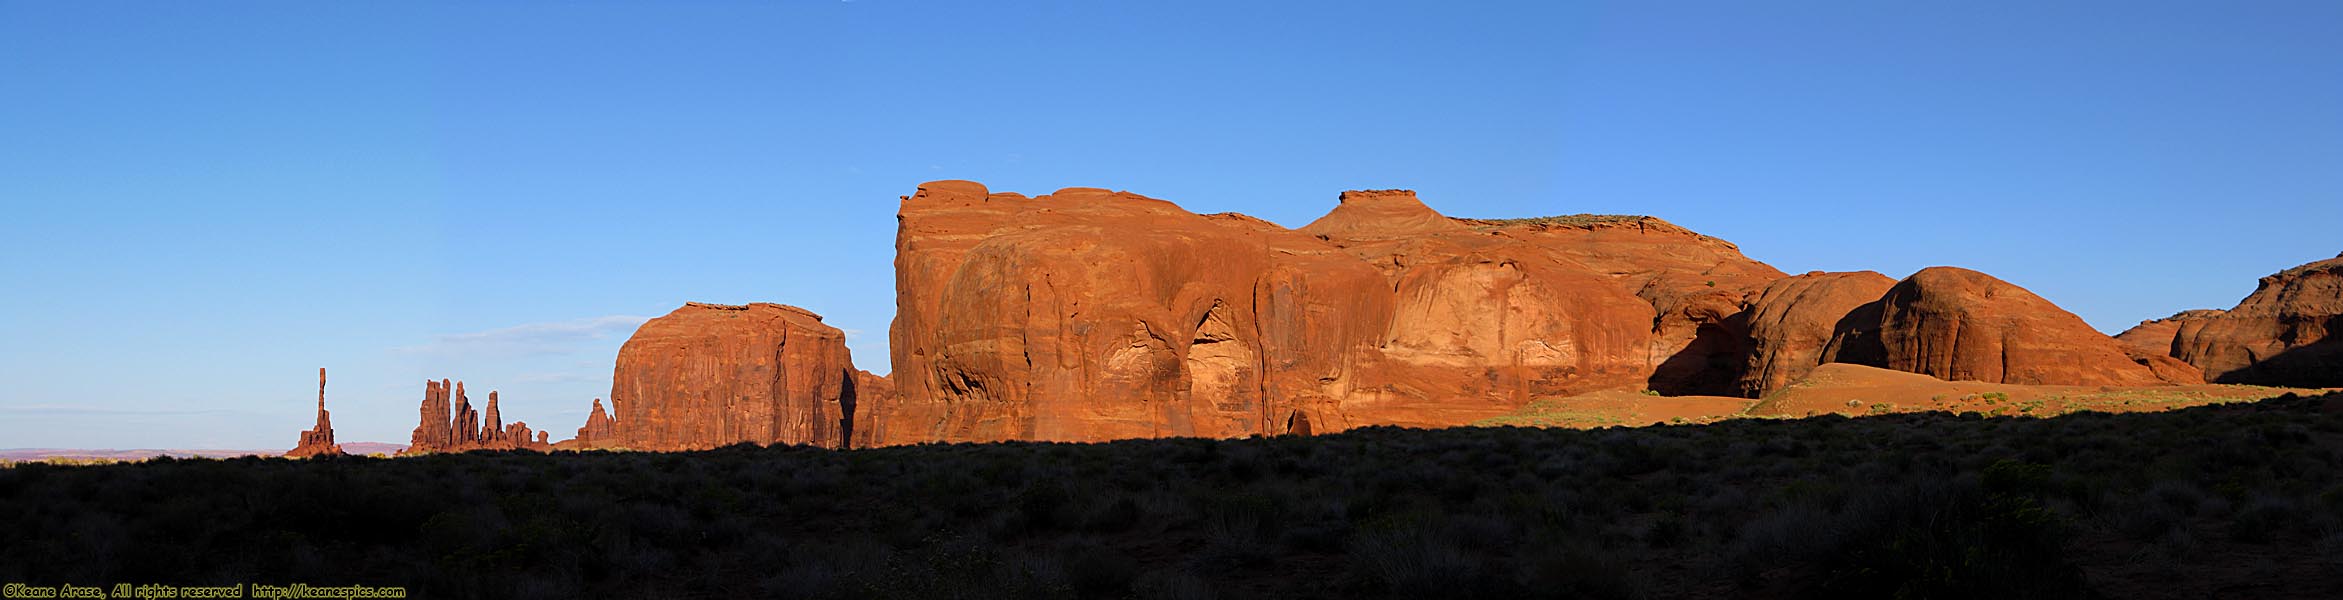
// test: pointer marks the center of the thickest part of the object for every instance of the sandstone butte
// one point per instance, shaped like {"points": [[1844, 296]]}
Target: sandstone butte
{"points": [[710, 375], [318, 441], [1089, 314]]}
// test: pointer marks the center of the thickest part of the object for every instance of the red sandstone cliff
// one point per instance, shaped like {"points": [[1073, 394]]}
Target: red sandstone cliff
{"points": [[1089, 314], [1696, 285], [1490, 314]]}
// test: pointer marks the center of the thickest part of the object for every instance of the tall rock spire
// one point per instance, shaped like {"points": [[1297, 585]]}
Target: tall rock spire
{"points": [[491, 425], [318, 441], [599, 427]]}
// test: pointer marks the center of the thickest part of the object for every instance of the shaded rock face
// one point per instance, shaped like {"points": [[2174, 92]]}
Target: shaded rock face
{"points": [[450, 424], [465, 428], [2155, 337], [865, 396], [2151, 344], [1089, 315], [436, 429], [1961, 325], [1792, 320], [2169, 369], [2284, 333], [1697, 287], [710, 375], [320, 439]]}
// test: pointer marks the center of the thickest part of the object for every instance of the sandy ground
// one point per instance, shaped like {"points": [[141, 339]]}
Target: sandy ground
{"points": [[1855, 390]]}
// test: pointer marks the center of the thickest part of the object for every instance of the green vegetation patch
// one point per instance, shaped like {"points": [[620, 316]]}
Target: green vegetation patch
{"points": [[1551, 413], [1578, 220]]}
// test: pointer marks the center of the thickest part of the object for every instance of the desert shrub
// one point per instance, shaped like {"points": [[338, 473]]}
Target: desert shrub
{"points": [[1413, 556], [1173, 585], [2149, 519], [1667, 531], [1097, 571], [1924, 540], [1796, 533], [1910, 504], [2178, 544], [1567, 570], [1959, 541], [1043, 505], [960, 568], [2264, 518], [1241, 529]]}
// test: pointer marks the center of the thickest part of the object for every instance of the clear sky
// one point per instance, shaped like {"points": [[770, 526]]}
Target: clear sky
{"points": [[203, 202]]}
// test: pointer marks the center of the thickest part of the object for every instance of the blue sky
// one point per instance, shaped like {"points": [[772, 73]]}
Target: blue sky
{"points": [[201, 203]]}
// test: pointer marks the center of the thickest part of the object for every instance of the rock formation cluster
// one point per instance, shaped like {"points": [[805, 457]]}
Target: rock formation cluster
{"points": [[450, 424], [319, 440], [1089, 314], [703, 376]]}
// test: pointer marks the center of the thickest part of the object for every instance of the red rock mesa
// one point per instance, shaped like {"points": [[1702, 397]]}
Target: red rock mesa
{"points": [[710, 375]]}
